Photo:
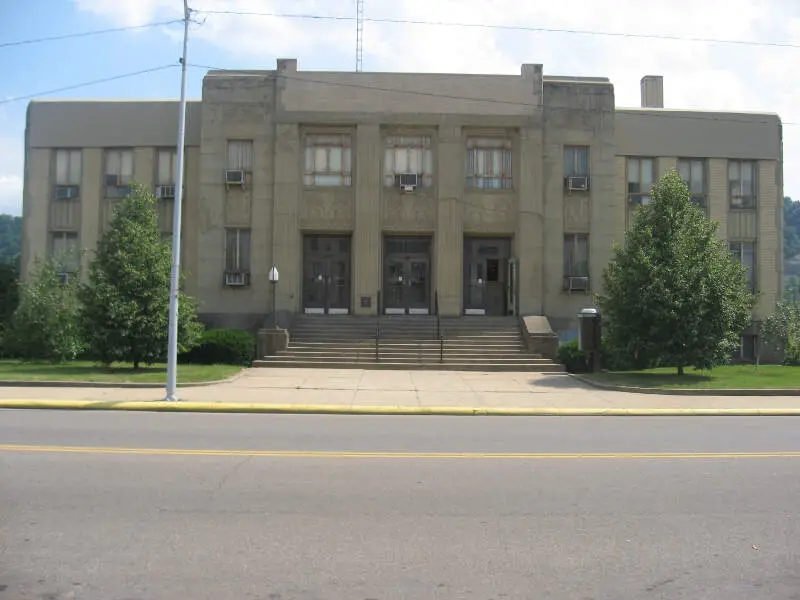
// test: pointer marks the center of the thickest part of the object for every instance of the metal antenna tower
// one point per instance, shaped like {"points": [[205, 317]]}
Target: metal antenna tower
{"points": [[359, 35]]}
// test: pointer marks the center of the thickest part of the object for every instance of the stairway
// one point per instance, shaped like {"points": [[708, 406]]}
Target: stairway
{"points": [[408, 342]]}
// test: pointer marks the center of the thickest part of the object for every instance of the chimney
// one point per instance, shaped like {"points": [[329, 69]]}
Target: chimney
{"points": [[652, 91]]}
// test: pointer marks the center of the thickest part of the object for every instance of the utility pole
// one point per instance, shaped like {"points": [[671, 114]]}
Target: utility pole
{"points": [[174, 283], [359, 35]]}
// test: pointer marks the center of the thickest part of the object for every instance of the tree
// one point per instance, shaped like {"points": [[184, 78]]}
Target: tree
{"points": [[126, 300], [673, 293], [791, 228], [781, 331], [46, 324], [10, 239]]}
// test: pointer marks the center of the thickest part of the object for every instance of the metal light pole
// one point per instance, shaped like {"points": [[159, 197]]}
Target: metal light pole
{"points": [[174, 288], [273, 282]]}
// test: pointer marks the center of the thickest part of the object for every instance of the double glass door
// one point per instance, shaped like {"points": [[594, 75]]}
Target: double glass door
{"points": [[326, 275], [407, 276]]}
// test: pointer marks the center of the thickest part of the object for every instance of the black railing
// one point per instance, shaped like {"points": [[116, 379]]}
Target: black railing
{"points": [[438, 324], [378, 329]]}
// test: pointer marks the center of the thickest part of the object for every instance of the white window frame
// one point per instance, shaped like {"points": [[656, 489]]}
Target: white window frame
{"points": [[737, 250], [571, 251], [328, 160], [408, 154], [242, 237], [738, 196], [573, 165], [635, 164], [689, 167], [123, 169], [489, 163]]}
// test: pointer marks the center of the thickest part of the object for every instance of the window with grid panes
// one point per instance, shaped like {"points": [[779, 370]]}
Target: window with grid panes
{"points": [[742, 183], [576, 255], [745, 254], [640, 179], [576, 161], [237, 250], [489, 163], [693, 173], [118, 172], [408, 154], [67, 176], [64, 251], [327, 160]]}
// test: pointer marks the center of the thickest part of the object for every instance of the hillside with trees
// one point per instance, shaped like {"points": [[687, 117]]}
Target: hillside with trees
{"points": [[10, 239]]}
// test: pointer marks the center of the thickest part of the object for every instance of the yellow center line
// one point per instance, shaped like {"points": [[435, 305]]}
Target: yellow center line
{"points": [[388, 454]]}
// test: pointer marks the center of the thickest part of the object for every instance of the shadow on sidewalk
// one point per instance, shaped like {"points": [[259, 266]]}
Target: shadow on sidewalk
{"points": [[561, 382]]}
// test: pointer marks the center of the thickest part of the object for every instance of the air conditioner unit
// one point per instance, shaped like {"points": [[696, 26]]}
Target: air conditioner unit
{"points": [[237, 278], [576, 183], [578, 284], [64, 277], [640, 200], [234, 177], [408, 182], [66, 192], [113, 180], [165, 192]]}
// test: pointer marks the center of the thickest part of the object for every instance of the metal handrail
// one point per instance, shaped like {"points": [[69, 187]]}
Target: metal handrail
{"points": [[378, 329], [438, 320]]}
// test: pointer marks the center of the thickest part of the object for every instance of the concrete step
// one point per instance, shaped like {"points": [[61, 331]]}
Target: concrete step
{"points": [[411, 356], [373, 365], [481, 352]]}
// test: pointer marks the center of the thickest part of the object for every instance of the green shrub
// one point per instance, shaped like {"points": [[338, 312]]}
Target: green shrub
{"points": [[222, 347], [572, 357]]}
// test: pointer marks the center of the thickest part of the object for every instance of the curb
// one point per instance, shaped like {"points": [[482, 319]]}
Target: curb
{"points": [[114, 385], [687, 391], [332, 409]]}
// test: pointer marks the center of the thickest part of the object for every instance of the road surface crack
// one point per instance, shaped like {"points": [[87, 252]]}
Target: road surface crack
{"points": [[230, 473]]}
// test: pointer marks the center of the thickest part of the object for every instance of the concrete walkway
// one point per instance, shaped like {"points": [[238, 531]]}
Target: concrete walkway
{"points": [[352, 387]]}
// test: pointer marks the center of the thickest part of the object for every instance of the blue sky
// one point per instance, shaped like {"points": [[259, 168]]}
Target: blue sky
{"points": [[710, 76]]}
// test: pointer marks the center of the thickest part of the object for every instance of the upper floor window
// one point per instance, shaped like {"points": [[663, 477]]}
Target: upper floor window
{"points": [[640, 179], [328, 160], [576, 262], [745, 254], [693, 173], [240, 155], [489, 163], [67, 174], [742, 183], [576, 161], [237, 250], [118, 173], [408, 155], [167, 159], [64, 251]]}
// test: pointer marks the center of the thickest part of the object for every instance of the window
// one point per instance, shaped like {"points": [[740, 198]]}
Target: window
{"points": [[576, 255], [167, 159], [742, 183], [745, 254], [489, 163], [408, 154], [119, 172], [64, 251], [237, 250], [68, 167], [328, 160], [747, 350], [693, 173], [640, 180], [576, 161], [240, 155]]}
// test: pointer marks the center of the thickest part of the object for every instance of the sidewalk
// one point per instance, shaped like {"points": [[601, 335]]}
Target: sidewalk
{"points": [[383, 388]]}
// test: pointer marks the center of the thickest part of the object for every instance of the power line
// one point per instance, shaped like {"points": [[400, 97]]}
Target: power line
{"points": [[399, 90], [67, 36], [526, 28], [86, 83]]}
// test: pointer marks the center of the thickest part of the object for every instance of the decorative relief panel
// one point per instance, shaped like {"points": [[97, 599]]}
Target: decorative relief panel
{"points": [[576, 213], [327, 211], [65, 215], [491, 213], [237, 207], [407, 212]]}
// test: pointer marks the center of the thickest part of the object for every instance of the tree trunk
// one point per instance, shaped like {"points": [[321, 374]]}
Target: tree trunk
{"points": [[680, 370], [135, 365]]}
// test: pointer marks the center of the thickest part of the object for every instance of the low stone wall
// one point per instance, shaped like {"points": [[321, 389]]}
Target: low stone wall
{"points": [[539, 336]]}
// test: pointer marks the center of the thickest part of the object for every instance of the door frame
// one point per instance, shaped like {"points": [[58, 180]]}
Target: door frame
{"points": [[327, 258], [407, 258], [471, 256]]}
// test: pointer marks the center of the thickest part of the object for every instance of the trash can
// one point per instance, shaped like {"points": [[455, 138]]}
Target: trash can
{"points": [[589, 336]]}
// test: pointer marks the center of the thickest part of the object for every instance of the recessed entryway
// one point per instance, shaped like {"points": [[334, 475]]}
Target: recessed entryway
{"points": [[326, 274], [407, 275], [489, 276]]}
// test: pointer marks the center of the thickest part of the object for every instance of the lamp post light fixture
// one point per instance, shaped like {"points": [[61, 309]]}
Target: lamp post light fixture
{"points": [[273, 282]]}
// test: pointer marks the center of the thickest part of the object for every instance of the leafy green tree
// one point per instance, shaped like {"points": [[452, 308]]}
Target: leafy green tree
{"points": [[127, 297], [46, 324], [10, 239], [791, 228], [673, 294], [781, 331]]}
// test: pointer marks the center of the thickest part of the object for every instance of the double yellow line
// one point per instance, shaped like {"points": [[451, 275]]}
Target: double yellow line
{"points": [[390, 455]]}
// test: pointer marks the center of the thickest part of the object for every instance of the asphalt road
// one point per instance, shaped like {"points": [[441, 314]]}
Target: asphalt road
{"points": [[135, 506]]}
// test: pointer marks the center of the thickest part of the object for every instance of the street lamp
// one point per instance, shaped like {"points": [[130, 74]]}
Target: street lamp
{"points": [[273, 282]]}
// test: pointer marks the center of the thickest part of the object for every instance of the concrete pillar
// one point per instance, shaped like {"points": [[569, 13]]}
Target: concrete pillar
{"points": [[34, 209], [367, 243], [769, 244], [718, 200], [449, 221], [529, 238], [287, 248]]}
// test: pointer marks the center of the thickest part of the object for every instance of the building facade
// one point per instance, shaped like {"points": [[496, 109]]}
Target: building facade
{"points": [[405, 193]]}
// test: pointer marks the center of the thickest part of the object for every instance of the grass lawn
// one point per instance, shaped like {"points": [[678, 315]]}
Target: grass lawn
{"points": [[724, 377], [11, 370]]}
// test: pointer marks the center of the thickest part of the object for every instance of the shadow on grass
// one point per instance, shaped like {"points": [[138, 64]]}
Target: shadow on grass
{"points": [[32, 369], [653, 380]]}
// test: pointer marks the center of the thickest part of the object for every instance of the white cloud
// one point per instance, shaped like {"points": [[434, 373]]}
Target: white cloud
{"points": [[696, 75], [11, 195], [12, 155]]}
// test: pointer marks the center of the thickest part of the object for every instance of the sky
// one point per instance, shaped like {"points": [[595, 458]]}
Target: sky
{"points": [[697, 75]]}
